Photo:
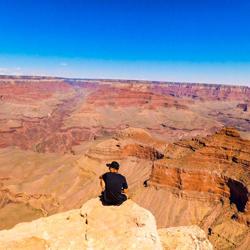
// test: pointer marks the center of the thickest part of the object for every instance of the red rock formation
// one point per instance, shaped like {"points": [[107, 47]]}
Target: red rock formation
{"points": [[218, 165], [190, 90], [29, 91], [204, 180], [210, 173], [125, 97], [204, 91], [142, 152], [61, 113]]}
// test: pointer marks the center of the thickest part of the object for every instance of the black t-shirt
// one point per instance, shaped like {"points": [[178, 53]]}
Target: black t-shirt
{"points": [[114, 184]]}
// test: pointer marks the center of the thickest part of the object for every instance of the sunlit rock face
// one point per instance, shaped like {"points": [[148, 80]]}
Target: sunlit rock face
{"points": [[95, 226], [172, 140], [212, 166], [184, 238], [203, 181]]}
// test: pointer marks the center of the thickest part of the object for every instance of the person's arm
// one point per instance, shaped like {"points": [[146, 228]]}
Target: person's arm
{"points": [[125, 191], [125, 187], [102, 183]]}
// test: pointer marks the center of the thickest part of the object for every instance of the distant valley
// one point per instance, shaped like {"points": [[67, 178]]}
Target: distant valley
{"points": [[184, 148]]}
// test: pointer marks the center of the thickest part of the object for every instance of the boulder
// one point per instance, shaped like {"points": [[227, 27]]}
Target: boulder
{"points": [[94, 226], [184, 238]]}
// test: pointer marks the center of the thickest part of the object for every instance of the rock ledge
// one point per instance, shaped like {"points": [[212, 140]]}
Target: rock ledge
{"points": [[95, 226]]}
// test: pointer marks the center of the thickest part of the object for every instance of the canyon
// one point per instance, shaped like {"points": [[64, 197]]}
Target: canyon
{"points": [[183, 147]]}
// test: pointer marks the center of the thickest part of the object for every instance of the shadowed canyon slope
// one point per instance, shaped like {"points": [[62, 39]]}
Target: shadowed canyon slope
{"points": [[173, 141]]}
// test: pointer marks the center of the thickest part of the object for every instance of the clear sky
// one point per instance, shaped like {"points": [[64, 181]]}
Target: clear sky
{"points": [[178, 40]]}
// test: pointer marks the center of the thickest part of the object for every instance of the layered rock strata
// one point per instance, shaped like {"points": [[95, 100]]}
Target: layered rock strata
{"points": [[56, 114], [208, 166], [203, 181]]}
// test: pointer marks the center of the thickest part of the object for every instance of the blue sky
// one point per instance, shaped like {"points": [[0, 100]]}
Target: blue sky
{"points": [[196, 41]]}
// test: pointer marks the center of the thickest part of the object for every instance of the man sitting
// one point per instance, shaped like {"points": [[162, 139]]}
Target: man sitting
{"points": [[114, 186]]}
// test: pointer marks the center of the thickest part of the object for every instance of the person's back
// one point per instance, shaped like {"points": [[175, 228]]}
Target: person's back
{"points": [[114, 186]]}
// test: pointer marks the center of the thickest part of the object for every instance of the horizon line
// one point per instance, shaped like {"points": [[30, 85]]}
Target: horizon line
{"points": [[123, 79]]}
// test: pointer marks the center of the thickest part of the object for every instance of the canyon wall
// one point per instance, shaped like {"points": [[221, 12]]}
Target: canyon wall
{"points": [[173, 141]]}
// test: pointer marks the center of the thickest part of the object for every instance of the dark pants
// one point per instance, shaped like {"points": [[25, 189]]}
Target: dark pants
{"points": [[107, 202]]}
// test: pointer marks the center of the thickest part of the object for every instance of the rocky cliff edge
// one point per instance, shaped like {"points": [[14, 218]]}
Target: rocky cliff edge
{"points": [[95, 226]]}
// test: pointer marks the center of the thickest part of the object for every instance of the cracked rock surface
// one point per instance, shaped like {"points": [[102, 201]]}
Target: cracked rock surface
{"points": [[95, 226]]}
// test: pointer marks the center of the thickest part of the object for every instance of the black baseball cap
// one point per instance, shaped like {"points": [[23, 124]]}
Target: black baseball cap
{"points": [[113, 164]]}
